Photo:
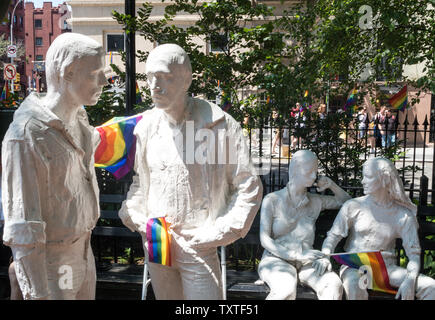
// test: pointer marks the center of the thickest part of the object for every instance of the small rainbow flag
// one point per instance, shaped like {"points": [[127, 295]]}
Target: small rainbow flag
{"points": [[400, 100], [5, 93], [159, 241], [374, 260], [117, 148], [351, 101], [138, 95]]}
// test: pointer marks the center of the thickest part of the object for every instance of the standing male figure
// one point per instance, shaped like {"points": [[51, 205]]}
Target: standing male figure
{"points": [[208, 202], [49, 188]]}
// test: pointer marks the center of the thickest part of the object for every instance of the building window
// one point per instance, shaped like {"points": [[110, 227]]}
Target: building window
{"points": [[38, 41], [38, 23], [21, 21], [39, 57], [15, 19], [219, 43], [115, 42]]}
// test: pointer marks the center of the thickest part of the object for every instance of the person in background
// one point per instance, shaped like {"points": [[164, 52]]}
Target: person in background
{"points": [[321, 111], [362, 118]]}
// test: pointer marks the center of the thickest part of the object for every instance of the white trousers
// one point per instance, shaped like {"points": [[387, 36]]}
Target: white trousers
{"points": [[192, 276], [282, 279], [71, 271]]}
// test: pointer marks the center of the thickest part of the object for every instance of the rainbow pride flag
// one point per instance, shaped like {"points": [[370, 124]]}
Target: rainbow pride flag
{"points": [[5, 92], [159, 241], [400, 100], [138, 95], [117, 148], [351, 101], [374, 260]]}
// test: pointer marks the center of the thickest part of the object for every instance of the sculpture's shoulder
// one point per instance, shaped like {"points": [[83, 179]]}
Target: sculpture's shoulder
{"points": [[149, 118], [353, 205], [211, 113], [275, 197], [27, 121]]}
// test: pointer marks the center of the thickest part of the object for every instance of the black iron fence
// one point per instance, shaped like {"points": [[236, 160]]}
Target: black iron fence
{"points": [[342, 145]]}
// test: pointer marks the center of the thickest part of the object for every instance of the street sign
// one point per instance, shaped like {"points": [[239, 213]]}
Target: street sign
{"points": [[12, 51], [9, 72]]}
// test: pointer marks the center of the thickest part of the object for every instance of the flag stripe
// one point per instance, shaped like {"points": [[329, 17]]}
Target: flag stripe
{"points": [[159, 241], [375, 261], [116, 151]]}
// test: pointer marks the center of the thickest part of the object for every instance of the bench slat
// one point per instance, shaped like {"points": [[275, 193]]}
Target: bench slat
{"points": [[112, 198], [114, 232], [109, 214]]}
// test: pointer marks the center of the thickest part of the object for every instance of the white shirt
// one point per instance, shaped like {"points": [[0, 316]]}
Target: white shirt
{"points": [[223, 197], [49, 187]]}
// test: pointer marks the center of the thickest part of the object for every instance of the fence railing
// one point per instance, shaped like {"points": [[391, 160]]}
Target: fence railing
{"points": [[342, 146]]}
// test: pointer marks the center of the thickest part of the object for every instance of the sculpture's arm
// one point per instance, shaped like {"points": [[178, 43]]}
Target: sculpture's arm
{"points": [[340, 196], [133, 210], [24, 228], [411, 244], [244, 198], [339, 230], [266, 240]]}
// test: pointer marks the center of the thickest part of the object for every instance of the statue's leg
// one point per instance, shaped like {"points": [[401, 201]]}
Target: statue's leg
{"points": [[15, 287], [87, 291], [201, 275], [327, 286], [425, 286], [280, 276], [71, 270], [351, 284], [166, 282]]}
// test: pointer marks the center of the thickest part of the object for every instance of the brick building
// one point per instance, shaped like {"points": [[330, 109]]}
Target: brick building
{"points": [[18, 35], [42, 26]]}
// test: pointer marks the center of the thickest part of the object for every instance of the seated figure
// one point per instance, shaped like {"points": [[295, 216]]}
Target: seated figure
{"points": [[372, 223], [287, 230]]}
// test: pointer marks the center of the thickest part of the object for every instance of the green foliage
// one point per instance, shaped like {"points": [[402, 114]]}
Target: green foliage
{"points": [[111, 104]]}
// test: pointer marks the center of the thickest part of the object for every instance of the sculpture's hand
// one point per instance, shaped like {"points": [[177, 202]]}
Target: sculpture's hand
{"points": [[321, 265], [407, 289], [323, 183], [203, 238], [311, 255]]}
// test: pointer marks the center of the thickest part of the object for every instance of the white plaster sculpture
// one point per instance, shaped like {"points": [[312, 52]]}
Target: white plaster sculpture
{"points": [[372, 223], [287, 229], [49, 187], [209, 200]]}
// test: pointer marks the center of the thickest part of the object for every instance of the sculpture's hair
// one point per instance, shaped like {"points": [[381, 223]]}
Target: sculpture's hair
{"points": [[173, 54], [298, 158], [390, 179], [66, 50]]}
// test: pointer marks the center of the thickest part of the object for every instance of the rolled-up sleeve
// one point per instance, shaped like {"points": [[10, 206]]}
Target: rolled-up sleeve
{"points": [[24, 225]]}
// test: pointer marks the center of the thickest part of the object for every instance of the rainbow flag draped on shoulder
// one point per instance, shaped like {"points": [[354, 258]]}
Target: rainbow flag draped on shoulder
{"points": [[374, 260], [159, 241], [400, 100], [117, 148]]}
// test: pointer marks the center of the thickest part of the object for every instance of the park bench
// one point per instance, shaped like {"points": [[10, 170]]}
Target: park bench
{"points": [[242, 278]]}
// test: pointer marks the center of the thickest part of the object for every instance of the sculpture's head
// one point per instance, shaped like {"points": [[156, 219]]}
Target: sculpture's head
{"points": [[380, 173], [169, 75], [75, 66], [303, 167]]}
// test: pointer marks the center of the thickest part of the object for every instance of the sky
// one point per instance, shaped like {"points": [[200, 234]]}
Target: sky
{"points": [[38, 3]]}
